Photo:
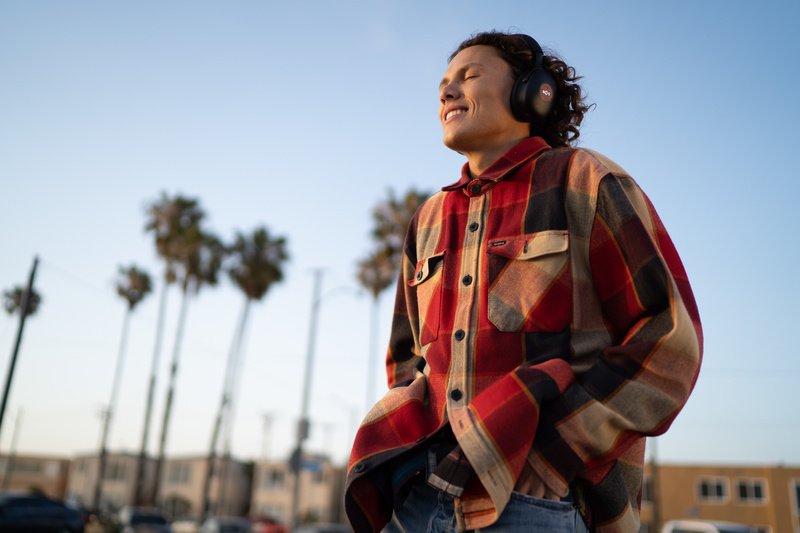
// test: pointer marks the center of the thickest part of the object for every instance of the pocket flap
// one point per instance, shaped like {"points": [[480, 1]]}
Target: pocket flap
{"points": [[426, 268], [530, 246]]}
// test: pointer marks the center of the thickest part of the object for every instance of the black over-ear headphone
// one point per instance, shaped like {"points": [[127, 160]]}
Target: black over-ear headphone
{"points": [[535, 89]]}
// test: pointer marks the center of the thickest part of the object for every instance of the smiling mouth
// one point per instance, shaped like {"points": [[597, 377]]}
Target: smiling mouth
{"points": [[453, 113]]}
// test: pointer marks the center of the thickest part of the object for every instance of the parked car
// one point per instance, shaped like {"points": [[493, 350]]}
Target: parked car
{"points": [[704, 526], [226, 524], [265, 524], [26, 512], [324, 528], [185, 524], [143, 520]]}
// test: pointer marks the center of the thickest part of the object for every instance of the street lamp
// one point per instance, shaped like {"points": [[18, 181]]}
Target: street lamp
{"points": [[296, 459]]}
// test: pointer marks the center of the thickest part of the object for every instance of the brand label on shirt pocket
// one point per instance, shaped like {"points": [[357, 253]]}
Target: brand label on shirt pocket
{"points": [[428, 284], [530, 284]]}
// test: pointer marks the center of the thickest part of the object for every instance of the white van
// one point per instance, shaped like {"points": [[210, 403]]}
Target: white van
{"points": [[704, 526]]}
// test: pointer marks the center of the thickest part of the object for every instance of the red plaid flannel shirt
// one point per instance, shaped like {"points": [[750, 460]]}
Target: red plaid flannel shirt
{"points": [[543, 312]]}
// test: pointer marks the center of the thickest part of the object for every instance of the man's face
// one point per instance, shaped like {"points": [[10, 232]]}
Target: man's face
{"points": [[474, 103]]}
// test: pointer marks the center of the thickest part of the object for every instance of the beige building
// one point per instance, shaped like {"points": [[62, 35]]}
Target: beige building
{"points": [[765, 497], [118, 483], [181, 489], [32, 472], [321, 486]]}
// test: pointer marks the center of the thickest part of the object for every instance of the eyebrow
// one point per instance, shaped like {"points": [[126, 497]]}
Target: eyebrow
{"points": [[464, 68]]}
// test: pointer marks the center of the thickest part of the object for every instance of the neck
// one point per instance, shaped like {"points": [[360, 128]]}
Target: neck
{"points": [[480, 160]]}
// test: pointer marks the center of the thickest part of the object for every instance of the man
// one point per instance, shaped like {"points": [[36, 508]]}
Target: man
{"points": [[544, 324]]}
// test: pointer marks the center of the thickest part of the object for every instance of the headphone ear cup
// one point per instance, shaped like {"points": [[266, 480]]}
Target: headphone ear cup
{"points": [[533, 95]]}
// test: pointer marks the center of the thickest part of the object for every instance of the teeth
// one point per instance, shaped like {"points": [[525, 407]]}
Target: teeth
{"points": [[454, 113]]}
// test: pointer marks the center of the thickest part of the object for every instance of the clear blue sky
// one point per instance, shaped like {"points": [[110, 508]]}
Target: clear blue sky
{"points": [[300, 116]]}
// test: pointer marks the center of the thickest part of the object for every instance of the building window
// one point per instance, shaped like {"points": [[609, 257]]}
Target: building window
{"points": [[52, 469], [647, 490], [273, 479], [179, 473], [751, 491], [26, 466], [115, 471], [794, 487], [712, 490]]}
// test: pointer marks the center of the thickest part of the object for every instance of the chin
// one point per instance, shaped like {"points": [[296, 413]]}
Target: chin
{"points": [[454, 144]]}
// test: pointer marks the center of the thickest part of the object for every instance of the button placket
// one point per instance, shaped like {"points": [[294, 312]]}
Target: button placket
{"points": [[462, 356]]}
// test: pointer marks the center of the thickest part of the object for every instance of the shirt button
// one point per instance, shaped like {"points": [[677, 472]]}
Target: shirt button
{"points": [[359, 468], [466, 280], [455, 394], [460, 335], [419, 275], [475, 189], [473, 226]]}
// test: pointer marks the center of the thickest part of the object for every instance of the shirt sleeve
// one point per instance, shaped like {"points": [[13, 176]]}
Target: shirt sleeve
{"points": [[404, 348], [641, 381]]}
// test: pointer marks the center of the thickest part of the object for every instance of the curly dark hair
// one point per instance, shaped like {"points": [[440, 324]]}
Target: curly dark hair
{"points": [[560, 127]]}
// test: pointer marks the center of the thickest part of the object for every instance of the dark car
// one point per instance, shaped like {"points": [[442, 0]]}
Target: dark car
{"points": [[226, 524], [27, 512]]}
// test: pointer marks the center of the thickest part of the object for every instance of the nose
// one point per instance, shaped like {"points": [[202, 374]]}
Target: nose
{"points": [[447, 92]]}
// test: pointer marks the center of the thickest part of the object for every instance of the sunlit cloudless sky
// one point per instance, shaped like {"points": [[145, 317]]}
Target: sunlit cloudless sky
{"points": [[301, 116]]}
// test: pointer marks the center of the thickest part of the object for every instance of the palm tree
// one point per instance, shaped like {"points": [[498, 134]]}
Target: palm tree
{"points": [[391, 219], [256, 264], [173, 221], [380, 268], [375, 273], [14, 298], [133, 285], [198, 260]]}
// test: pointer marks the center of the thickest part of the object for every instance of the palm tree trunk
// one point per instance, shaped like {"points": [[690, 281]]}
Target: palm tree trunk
{"points": [[373, 353], [232, 387], [98, 488], [23, 314], [138, 489], [226, 391], [171, 392]]}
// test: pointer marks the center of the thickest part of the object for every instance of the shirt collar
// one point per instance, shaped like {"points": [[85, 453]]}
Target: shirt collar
{"points": [[517, 156]]}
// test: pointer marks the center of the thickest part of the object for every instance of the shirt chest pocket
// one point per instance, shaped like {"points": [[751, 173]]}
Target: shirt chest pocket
{"points": [[427, 283], [530, 282]]}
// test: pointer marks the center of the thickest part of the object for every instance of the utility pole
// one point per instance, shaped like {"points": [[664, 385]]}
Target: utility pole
{"points": [[265, 436], [655, 493], [23, 313], [12, 454], [302, 426], [98, 488]]}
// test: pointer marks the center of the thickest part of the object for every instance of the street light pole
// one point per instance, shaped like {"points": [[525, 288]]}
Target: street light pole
{"points": [[302, 426], [265, 436]]}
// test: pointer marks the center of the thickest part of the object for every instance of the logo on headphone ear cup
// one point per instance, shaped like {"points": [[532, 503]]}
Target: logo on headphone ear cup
{"points": [[533, 95]]}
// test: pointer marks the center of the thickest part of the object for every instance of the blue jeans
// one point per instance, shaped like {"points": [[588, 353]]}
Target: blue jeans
{"points": [[427, 510]]}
